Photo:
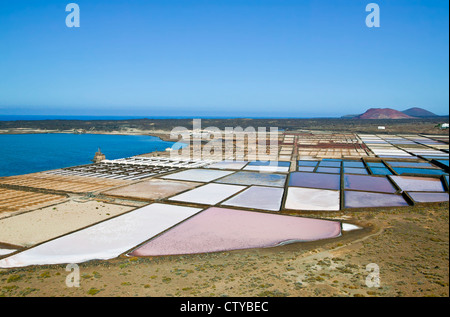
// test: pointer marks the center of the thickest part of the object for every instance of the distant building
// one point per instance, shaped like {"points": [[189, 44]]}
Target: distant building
{"points": [[381, 128], [99, 156], [443, 126]]}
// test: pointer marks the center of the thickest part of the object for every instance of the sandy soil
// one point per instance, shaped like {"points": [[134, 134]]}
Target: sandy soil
{"points": [[47, 223], [410, 246]]}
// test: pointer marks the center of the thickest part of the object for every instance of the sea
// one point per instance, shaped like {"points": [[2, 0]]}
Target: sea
{"points": [[31, 153], [76, 117]]}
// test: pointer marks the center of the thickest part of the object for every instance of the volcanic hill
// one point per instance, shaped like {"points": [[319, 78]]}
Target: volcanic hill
{"points": [[419, 113], [383, 113]]}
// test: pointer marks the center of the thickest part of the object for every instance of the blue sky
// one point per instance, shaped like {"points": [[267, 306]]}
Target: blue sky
{"points": [[272, 58]]}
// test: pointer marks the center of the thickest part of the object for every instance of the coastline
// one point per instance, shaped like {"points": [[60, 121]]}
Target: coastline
{"points": [[157, 137], [157, 127], [163, 135]]}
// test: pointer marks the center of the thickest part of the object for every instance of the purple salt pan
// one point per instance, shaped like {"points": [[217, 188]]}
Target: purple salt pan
{"points": [[219, 229], [355, 199], [368, 183], [315, 180], [418, 184], [428, 197]]}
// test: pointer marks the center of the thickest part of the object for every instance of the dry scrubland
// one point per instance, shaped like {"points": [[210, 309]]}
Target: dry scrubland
{"points": [[157, 126], [410, 245]]}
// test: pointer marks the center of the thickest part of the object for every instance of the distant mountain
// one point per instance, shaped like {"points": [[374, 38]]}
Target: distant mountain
{"points": [[383, 113], [419, 113]]}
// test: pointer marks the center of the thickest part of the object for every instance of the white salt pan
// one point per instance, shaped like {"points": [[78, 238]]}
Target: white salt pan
{"points": [[105, 240]]}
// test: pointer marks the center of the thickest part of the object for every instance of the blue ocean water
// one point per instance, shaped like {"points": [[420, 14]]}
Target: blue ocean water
{"points": [[7, 117], [64, 117], [30, 153]]}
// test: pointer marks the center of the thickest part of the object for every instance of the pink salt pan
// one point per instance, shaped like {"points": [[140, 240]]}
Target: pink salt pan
{"points": [[220, 229]]}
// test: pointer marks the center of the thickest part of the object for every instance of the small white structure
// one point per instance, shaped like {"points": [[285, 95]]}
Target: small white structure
{"points": [[444, 126], [381, 128]]}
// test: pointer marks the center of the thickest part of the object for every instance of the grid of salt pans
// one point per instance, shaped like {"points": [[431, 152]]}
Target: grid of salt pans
{"points": [[443, 138], [17, 200], [419, 146], [61, 183], [132, 168], [233, 146], [405, 146], [435, 142], [330, 145], [105, 240], [287, 148], [383, 148]]}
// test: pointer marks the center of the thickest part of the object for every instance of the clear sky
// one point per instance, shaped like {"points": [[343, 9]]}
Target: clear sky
{"points": [[276, 58]]}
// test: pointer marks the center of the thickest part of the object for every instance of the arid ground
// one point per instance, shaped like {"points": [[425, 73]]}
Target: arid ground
{"points": [[410, 246]]}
